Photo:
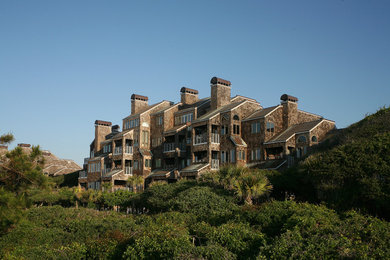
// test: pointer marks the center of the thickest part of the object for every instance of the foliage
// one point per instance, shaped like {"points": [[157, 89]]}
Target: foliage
{"points": [[19, 172]]}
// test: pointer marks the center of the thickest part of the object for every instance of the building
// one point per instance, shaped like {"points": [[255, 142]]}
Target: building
{"points": [[167, 141]]}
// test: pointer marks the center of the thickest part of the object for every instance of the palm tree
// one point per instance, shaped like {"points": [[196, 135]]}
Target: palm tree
{"points": [[251, 185], [135, 181]]}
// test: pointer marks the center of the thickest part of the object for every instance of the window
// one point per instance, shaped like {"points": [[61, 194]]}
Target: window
{"points": [[224, 130], [302, 139], [135, 165], [255, 127], [236, 129], [158, 163], [241, 155], [159, 120], [235, 117], [135, 139], [107, 148], [182, 119], [314, 139], [145, 138], [255, 154], [148, 163], [270, 127], [224, 156], [132, 123], [258, 154], [232, 155]]}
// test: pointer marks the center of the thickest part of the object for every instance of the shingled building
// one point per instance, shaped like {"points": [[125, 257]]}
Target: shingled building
{"points": [[167, 141]]}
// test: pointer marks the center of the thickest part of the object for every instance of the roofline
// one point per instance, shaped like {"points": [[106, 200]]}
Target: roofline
{"points": [[164, 110], [309, 113], [218, 113], [150, 107], [207, 164], [259, 117]]}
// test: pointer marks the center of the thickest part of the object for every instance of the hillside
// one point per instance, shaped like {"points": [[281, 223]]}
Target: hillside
{"points": [[351, 170]]}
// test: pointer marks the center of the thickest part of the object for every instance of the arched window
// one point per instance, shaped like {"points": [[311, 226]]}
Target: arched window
{"points": [[314, 139], [270, 127], [235, 117], [302, 139]]}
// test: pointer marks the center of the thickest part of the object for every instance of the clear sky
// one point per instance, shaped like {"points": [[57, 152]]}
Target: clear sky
{"points": [[64, 64]]}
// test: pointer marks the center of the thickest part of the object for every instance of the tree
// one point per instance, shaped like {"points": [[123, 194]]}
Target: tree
{"points": [[251, 185], [19, 172], [135, 181]]}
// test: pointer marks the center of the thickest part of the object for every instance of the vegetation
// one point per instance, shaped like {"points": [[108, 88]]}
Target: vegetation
{"points": [[332, 204]]}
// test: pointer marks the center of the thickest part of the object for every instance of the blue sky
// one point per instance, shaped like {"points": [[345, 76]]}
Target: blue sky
{"points": [[64, 64]]}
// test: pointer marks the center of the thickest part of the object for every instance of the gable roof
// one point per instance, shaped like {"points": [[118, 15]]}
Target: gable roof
{"points": [[261, 113], [148, 108], [217, 111], [175, 129], [294, 129]]}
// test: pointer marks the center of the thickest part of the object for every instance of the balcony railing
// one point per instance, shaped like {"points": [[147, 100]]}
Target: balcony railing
{"points": [[200, 139], [169, 147], [215, 138], [82, 174], [129, 149], [118, 150], [214, 164], [106, 170], [129, 170]]}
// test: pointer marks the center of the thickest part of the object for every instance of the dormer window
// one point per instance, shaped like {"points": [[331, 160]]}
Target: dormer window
{"points": [[270, 127]]}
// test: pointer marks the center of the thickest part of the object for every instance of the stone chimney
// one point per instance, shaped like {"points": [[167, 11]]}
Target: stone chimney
{"points": [[102, 128], [220, 92], [188, 96], [138, 103], [290, 110]]}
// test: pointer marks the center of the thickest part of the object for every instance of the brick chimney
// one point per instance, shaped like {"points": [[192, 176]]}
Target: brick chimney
{"points": [[290, 110], [102, 128], [220, 92], [138, 103], [188, 96]]}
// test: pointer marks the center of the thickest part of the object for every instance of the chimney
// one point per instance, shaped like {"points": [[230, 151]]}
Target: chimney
{"points": [[102, 128], [138, 103], [188, 96], [220, 92], [115, 128], [290, 110]]}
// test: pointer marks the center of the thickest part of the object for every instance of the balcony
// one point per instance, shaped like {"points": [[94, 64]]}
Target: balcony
{"points": [[129, 149], [106, 170], [200, 139], [129, 170], [214, 164], [215, 138], [82, 175], [118, 150], [169, 147]]}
